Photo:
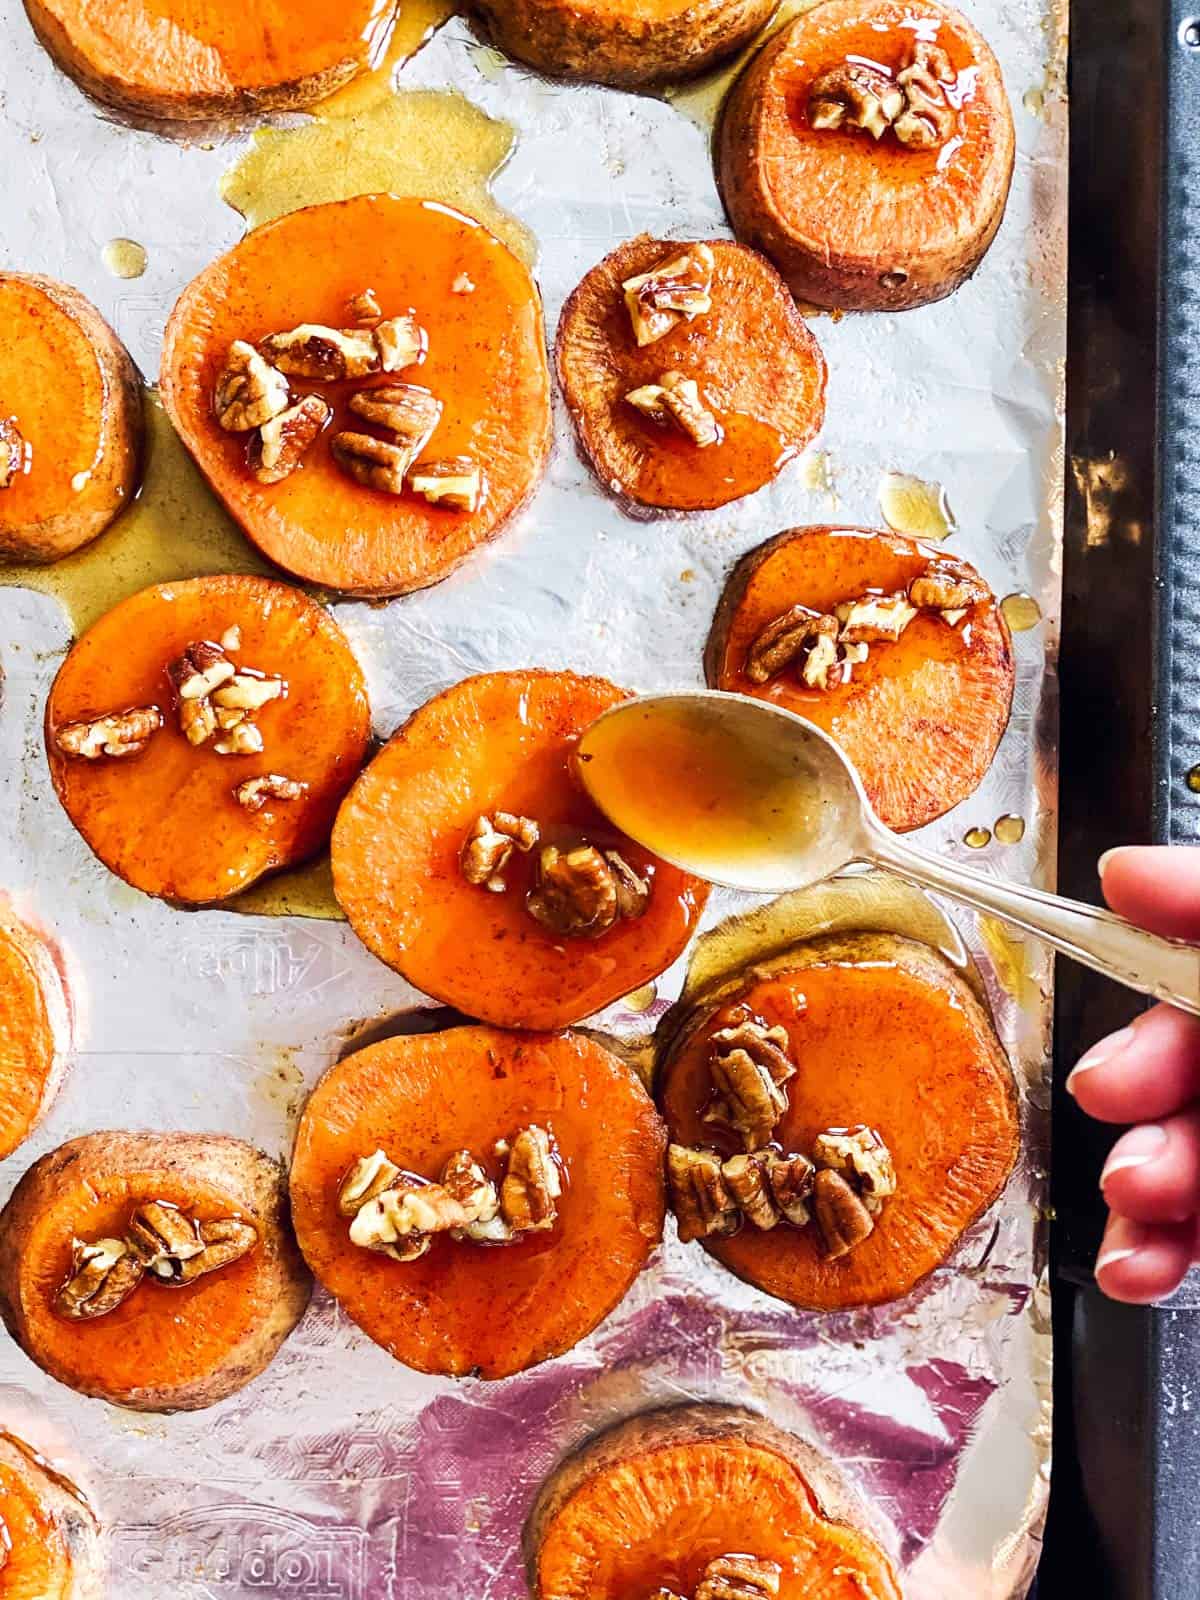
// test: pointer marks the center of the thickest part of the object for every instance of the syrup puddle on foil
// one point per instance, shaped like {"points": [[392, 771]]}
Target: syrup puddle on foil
{"points": [[1021, 612], [915, 507], [700, 99], [416, 23]]}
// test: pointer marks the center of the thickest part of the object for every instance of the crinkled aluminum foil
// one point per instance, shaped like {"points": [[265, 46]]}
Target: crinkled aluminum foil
{"points": [[340, 1475]]}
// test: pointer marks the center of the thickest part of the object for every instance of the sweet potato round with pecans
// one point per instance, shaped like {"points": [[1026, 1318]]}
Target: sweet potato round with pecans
{"points": [[70, 420], [197, 803], [462, 1307], [884, 1034], [503, 944], [868, 151], [461, 323], [189, 60], [629, 44], [758, 372], [189, 1327], [35, 1030], [52, 1540], [920, 715], [650, 1506]]}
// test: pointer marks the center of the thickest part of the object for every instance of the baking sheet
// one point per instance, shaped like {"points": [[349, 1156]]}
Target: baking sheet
{"points": [[339, 1474]]}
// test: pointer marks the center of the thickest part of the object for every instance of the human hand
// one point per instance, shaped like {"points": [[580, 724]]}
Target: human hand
{"points": [[1149, 1074]]}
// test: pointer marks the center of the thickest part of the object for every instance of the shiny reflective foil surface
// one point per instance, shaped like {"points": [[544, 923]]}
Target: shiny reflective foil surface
{"points": [[340, 1475]]}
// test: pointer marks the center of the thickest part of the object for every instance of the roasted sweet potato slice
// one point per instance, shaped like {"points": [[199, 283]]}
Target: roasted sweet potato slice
{"points": [[464, 1307], [630, 43], [494, 745], [173, 1340], [868, 151], [189, 60], [649, 1504], [330, 521], [921, 715], [70, 420], [34, 1031], [885, 1035], [758, 371], [51, 1538], [177, 796]]}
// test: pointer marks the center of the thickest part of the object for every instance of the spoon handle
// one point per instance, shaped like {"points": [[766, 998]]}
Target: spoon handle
{"points": [[1165, 968]]}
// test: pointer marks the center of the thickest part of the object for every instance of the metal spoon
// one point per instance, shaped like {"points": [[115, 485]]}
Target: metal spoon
{"points": [[746, 794]]}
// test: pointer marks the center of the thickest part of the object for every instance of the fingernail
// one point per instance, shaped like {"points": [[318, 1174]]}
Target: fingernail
{"points": [[1102, 864], [1136, 1149], [1099, 1053], [1111, 1257]]}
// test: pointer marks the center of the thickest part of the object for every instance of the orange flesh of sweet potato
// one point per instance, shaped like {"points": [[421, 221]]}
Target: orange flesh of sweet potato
{"points": [[753, 357], [501, 741], [67, 381], [486, 362], [920, 718], [883, 1032], [51, 1545], [33, 1032], [659, 1515], [163, 1348], [190, 59], [166, 820], [851, 221], [468, 1308]]}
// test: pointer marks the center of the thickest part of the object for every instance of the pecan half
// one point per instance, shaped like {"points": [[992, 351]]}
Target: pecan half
{"points": [[201, 668], [456, 482], [253, 793], [404, 409], [928, 118], [532, 1183], [700, 1197], [250, 391], [312, 350], [746, 1179], [798, 632], [874, 617], [856, 95], [122, 734], [862, 1158], [102, 1275], [750, 1067], [575, 893], [740, 1577], [15, 454], [841, 1216], [164, 1237], [224, 1241], [400, 1219], [791, 1179], [676, 401], [366, 1180], [280, 445], [677, 289], [249, 690], [489, 845], [945, 586], [374, 463]]}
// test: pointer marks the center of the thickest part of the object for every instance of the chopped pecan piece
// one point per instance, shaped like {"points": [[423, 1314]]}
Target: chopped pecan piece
{"points": [[201, 668], [231, 639], [946, 587], [676, 401], [791, 1180], [700, 1197], [198, 720], [400, 342], [747, 1181], [280, 445], [102, 1275], [248, 690], [400, 1220], [371, 462], [633, 893], [740, 1577], [875, 616], [856, 95], [364, 308], [466, 1181], [677, 290], [750, 1067], [862, 1158], [15, 454], [463, 284], [575, 893], [456, 482], [532, 1183], [489, 845], [366, 1180], [326, 354], [405, 409], [250, 391], [254, 793], [928, 118], [796, 632], [841, 1216], [224, 1241], [122, 734], [242, 739]]}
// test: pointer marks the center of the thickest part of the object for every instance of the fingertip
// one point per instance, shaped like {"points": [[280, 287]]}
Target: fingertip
{"points": [[1156, 886], [1147, 1071], [1140, 1262]]}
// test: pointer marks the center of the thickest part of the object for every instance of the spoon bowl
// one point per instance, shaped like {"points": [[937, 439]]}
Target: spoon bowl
{"points": [[751, 796]]}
